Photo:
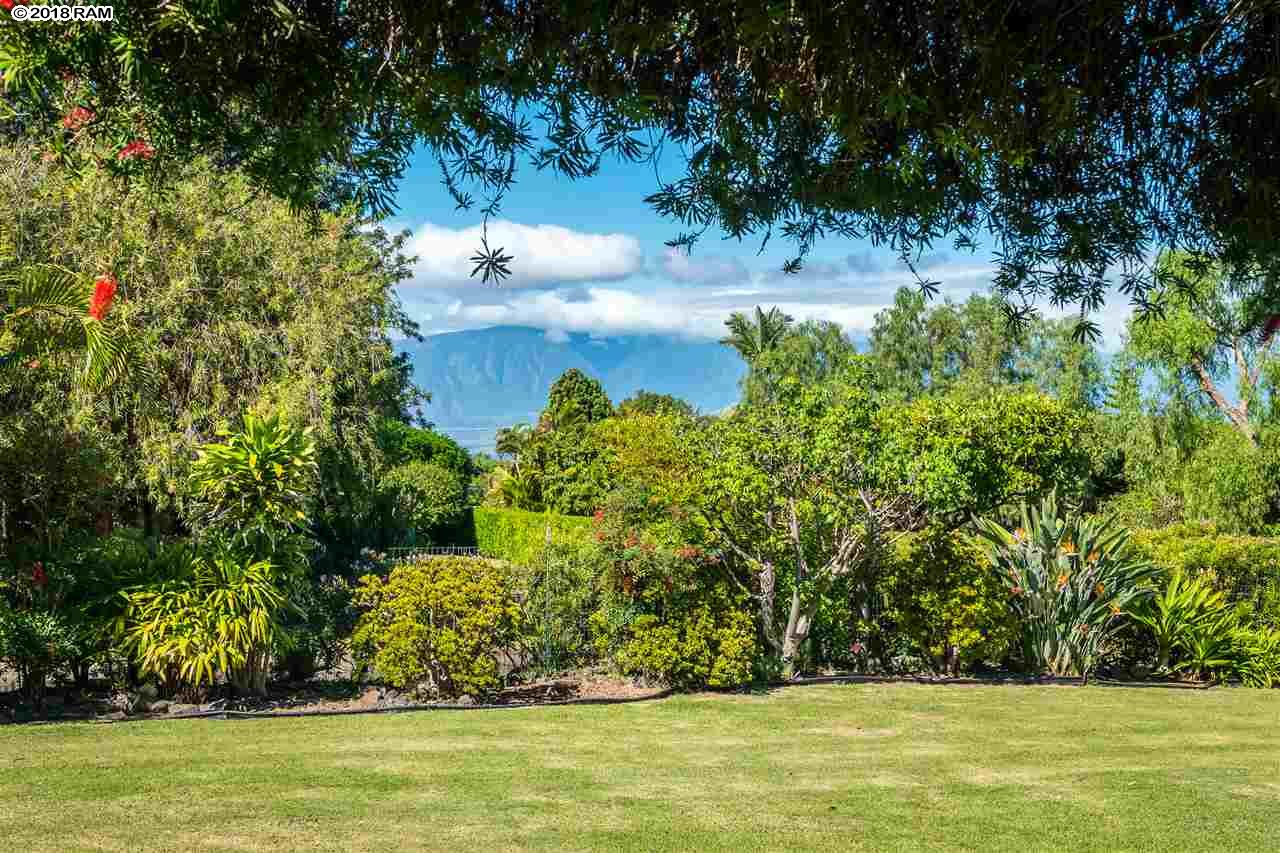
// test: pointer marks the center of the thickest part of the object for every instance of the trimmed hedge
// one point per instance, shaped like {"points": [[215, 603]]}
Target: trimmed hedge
{"points": [[1246, 568], [518, 536]]}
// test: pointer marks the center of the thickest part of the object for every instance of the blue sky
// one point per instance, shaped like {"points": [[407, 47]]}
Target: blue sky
{"points": [[590, 257]]}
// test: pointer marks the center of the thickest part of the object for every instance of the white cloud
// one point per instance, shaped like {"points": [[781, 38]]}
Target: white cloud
{"points": [[683, 267], [543, 255]]}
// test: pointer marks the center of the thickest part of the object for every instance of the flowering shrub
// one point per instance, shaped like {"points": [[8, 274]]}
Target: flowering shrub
{"points": [[1069, 581], [137, 148], [666, 612], [77, 117]]}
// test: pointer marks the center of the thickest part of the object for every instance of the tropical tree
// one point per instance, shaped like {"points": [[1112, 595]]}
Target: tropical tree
{"points": [[754, 335], [1210, 333], [1069, 143], [48, 311]]}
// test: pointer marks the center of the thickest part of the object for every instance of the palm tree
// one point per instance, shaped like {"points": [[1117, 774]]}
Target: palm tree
{"points": [[752, 337], [511, 441]]}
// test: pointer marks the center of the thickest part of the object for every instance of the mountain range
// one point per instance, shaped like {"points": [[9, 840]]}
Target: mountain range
{"points": [[483, 379]]}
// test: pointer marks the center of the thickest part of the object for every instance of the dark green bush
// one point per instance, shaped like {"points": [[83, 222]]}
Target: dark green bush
{"points": [[940, 592], [438, 625], [518, 536]]}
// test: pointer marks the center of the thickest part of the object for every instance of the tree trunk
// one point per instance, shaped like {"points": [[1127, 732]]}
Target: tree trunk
{"points": [[799, 621]]}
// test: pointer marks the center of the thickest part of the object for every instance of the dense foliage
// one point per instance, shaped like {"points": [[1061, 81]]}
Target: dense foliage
{"points": [[437, 626], [1069, 140]]}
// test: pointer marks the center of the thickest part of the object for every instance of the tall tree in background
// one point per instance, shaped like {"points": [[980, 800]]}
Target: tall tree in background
{"points": [[235, 306], [922, 349], [1068, 140], [1207, 337], [755, 334]]}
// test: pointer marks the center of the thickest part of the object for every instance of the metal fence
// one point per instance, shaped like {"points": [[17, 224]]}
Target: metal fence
{"points": [[410, 554]]}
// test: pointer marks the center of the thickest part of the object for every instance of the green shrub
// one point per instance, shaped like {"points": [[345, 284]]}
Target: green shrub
{"points": [[707, 646], [559, 592], [1069, 581], [1177, 611], [437, 626], [940, 592], [518, 536], [666, 611], [38, 644], [1245, 569], [427, 496], [219, 616]]}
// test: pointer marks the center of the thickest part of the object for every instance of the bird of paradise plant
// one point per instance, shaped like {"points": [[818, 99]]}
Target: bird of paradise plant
{"points": [[1070, 581]]}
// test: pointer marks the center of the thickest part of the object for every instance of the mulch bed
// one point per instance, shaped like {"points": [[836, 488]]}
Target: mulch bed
{"points": [[319, 697]]}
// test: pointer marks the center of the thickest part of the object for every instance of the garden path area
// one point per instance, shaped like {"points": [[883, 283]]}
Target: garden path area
{"points": [[843, 767]]}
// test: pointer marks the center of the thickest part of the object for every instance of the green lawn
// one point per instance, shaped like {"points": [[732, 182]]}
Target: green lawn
{"points": [[867, 767]]}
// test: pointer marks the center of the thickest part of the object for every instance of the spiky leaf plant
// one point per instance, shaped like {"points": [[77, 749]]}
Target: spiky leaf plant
{"points": [[1070, 581]]}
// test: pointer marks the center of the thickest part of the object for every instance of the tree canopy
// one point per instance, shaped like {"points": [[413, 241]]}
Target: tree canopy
{"points": [[1069, 141]]}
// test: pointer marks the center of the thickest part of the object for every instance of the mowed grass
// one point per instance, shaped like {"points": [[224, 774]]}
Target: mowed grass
{"points": [[865, 767]]}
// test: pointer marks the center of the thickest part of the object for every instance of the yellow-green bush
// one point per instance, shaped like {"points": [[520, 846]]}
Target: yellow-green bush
{"points": [[703, 647], [437, 626], [1245, 568]]}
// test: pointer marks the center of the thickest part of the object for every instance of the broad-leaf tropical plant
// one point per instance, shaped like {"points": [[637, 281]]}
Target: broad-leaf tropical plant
{"points": [[219, 617], [1176, 612], [1070, 581], [256, 486]]}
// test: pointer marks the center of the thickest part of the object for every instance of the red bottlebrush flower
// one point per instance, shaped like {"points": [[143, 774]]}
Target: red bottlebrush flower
{"points": [[104, 292], [38, 576], [136, 148], [78, 118], [598, 515], [8, 5]]}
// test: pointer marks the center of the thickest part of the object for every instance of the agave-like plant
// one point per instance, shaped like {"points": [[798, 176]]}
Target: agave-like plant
{"points": [[1070, 581]]}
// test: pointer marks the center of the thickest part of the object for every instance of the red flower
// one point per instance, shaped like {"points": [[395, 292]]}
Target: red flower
{"points": [[632, 541], [688, 552], [136, 148], [8, 5], [104, 292], [1273, 323], [599, 515], [38, 577], [78, 118], [856, 648]]}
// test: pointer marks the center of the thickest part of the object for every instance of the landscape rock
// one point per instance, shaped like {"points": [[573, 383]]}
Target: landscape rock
{"points": [[183, 708], [369, 698], [160, 706]]}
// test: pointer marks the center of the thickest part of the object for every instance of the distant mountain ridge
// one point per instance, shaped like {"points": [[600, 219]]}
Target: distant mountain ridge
{"points": [[483, 379]]}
